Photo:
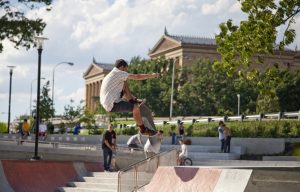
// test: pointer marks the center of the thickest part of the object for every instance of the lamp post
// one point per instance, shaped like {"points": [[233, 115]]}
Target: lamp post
{"points": [[30, 108], [172, 89], [238, 96], [53, 75], [39, 43], [11, 68]]}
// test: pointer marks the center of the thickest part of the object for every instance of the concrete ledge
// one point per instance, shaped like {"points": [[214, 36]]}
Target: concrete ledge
{"points": [[281, 158], [251, 145], [205, 149]]}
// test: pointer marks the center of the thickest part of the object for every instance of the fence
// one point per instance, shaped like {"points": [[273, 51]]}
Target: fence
{"points": [[141, 173], [260, 117]]}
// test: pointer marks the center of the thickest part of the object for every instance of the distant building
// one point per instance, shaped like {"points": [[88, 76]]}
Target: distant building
{"points": [[93, 79], [185, 49]]}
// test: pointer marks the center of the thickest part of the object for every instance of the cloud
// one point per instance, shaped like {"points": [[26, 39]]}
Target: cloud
{"points": [[235, 8], [216, 7], [76, 95]]}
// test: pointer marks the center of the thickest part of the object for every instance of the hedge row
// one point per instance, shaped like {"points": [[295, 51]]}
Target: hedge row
{"points": [[263, 129]]}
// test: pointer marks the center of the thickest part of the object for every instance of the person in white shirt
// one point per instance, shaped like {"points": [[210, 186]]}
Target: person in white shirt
{"points": [[184, 153], [115, 95], [152, 149], [43, 131], [135, 141]]}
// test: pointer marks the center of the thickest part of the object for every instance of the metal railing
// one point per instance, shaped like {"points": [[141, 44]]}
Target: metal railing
{"points": [[260, 117], [140, 174]]}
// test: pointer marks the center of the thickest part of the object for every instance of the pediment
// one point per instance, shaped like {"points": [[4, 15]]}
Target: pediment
{"points": [[165, 43], [92, 71]]}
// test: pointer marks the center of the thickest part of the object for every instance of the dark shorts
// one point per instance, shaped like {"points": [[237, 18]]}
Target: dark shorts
{"points": [[122, 106]]}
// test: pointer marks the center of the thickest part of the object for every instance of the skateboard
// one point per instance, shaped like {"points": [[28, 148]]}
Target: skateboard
{"points": [[147, 117], [148, 122]]}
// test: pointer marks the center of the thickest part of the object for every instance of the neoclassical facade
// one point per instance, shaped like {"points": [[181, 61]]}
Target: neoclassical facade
{"points": [[184, 49], [93, 78]]}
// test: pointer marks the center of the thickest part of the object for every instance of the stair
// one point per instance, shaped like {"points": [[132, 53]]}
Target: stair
{"points": [[94, 182], [103, 181], [199, 153]]}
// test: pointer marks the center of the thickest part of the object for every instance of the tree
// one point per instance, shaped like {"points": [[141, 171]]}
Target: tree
{"points": [[72, 112], [16, 26], [155, 91], [257, 35], [88, 118], [46, 103]]}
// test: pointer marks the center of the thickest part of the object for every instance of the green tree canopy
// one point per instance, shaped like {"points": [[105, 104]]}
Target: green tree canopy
{"points": [[16, 26], [46, 103], [257, 34], [72, 112]]}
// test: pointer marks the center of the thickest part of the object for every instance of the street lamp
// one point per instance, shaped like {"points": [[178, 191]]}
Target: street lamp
{"points": [[172, 88], [39, 43], [11, 68], [238, 96], [30, 108], [173, 78], [53, 74]]}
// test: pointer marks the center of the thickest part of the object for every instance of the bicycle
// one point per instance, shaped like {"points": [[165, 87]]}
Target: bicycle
{"points": [[186, 162]]}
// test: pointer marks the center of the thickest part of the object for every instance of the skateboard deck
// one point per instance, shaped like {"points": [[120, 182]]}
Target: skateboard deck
{"points": [[148, 122], [147, 117]]}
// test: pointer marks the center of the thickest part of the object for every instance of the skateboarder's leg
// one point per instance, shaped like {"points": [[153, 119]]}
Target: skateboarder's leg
{"points": [[127, 93]]}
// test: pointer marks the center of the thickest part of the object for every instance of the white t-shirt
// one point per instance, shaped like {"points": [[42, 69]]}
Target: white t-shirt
{"points": [[135, 139], [152, 148], [183, 151], [42, 128], [221, 133], [111, 88]]}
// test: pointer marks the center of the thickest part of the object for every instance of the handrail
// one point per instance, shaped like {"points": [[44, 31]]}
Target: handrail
{"points": [[134, 167], [278, 115], [152, 157]]}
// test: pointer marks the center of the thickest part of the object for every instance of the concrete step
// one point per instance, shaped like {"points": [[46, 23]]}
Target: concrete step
{"points": [[101, 179], [103, 174], [197, 156], [93, 185], [276, 176], [274, 181], [82, 189], [205, 149]]}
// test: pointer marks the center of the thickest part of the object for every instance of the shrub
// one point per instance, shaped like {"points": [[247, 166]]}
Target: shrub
{"points": [[3, 127], [50, 127]]}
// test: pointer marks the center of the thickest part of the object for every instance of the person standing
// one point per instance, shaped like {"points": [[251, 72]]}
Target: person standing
{"points": [[135, 141], [227, 138], [221, 135], [76, 130], [43, 130], [153, 148], [115, 95], [108, 146], [25, 130], [181, 131]]}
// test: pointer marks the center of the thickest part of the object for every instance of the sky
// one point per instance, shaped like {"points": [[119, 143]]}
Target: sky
{"points": [[80, 30]]}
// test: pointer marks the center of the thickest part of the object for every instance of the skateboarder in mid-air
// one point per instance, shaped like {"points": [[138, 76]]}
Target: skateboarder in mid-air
{"points": [[115, 95]]}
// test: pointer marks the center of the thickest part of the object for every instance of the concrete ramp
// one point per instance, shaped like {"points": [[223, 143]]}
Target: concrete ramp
{"points": [[233, 180], [175, 179], [31, 176]]}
